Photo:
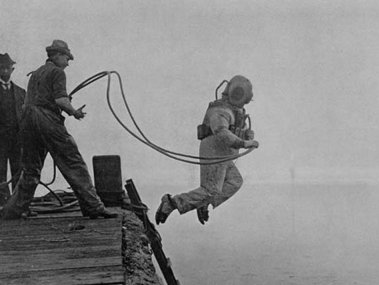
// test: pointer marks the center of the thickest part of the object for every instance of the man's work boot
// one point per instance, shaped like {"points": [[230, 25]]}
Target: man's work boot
{"points": [[106, 214], [165, 208], [203, 214]]}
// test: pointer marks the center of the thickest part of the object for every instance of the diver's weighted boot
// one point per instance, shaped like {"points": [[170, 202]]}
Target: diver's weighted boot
{"points": [[165, 208], [203, 214]]}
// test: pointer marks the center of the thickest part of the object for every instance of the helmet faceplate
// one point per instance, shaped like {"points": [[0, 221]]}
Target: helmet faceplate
{"points": [[239, 91]]}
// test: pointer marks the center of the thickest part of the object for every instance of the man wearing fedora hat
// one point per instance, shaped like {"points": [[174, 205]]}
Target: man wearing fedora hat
{"points": [[11, 100], [43, 131]]}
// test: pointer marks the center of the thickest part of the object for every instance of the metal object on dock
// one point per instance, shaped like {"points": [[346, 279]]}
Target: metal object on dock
{"points": [[108, 179]]}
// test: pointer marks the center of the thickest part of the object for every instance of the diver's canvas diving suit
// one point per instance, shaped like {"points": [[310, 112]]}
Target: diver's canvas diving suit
{"points": [[223, 132]]}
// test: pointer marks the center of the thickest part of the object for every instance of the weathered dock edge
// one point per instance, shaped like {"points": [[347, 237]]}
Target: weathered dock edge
{"points": [[137, 255], [68, 249]]}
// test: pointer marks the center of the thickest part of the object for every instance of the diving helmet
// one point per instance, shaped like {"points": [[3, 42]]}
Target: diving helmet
{"points": [[239, 91]]}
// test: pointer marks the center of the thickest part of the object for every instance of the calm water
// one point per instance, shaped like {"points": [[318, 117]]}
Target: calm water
{"points": [[277, 234]]}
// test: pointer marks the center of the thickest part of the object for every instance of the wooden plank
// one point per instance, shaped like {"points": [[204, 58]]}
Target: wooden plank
{"points": [[51, 243], [85, 251], [73, 264], [110, 233], [45, 238], [84, 257], [64, 224], [68, 227], [61, 249], [75, 213], [92, 275], [65, 227]]}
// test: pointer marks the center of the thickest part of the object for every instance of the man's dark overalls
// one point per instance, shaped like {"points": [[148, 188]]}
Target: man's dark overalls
{"points": [[43, 131]]}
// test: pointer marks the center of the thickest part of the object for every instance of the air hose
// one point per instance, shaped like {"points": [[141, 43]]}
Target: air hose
{"points": [[46, 185], [45, 204], [47, 208], [141, 137]]}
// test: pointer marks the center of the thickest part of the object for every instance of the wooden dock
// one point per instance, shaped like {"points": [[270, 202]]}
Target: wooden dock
{"points": [[61, 249]]}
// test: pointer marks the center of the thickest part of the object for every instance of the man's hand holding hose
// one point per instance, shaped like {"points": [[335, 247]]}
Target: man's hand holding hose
{"points": [[79, 114], [65, 104]]}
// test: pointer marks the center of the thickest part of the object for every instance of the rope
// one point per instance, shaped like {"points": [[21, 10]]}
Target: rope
{"points": [[46, 204], [2, 184], [53, 193]]}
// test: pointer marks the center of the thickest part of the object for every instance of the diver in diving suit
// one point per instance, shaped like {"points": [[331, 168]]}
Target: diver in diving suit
{"points": [[223, 132]]}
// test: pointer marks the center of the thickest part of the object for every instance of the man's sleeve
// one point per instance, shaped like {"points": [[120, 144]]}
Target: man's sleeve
{"points": [[59, 83], [219, 122]]}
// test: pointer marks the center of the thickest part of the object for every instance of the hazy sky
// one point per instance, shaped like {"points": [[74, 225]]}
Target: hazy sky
{"points": [[313, 65]]}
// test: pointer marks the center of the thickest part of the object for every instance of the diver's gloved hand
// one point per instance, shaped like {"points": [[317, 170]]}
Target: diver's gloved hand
{"points": [[251, 144], [249, 134]]}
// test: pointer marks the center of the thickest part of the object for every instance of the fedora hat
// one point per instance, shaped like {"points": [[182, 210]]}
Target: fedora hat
{"points": [[60, 46], [5, 59]]}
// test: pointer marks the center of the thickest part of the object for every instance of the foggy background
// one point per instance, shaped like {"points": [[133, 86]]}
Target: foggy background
{"points": [[313, 65]]}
